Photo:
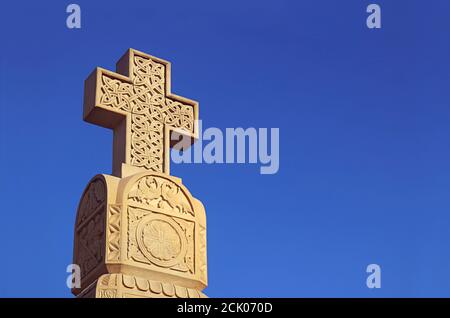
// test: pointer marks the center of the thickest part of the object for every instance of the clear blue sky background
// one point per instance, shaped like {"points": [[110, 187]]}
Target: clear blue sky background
{"points": [[364, 118]]}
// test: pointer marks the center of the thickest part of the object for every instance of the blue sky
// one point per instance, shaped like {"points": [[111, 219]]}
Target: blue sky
{"points": [[364, 118]]}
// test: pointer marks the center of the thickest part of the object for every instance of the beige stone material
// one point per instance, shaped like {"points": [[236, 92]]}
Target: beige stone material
{"points": [[137, 103], [139, 232], [126, 286]]}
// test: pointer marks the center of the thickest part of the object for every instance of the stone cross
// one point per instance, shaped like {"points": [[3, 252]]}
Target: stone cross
{"points": [[147, 119], [140, 232]]}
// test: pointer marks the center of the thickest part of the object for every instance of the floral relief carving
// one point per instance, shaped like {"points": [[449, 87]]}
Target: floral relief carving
{"points": [[160, 240], [160, 193]]}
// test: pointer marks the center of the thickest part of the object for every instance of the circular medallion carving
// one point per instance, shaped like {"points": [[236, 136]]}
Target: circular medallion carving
{"points": [[161, 240]]}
